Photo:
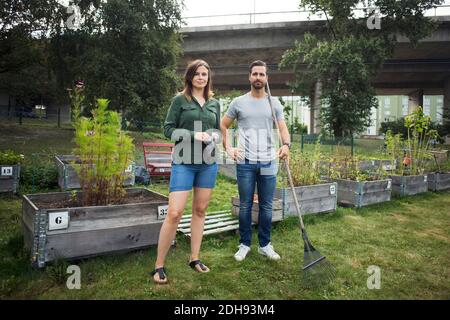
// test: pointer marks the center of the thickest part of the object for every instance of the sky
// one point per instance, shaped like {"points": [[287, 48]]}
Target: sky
{"points": [[196, 8], [215, 7]]}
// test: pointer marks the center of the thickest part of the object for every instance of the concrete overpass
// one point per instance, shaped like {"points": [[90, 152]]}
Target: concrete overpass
{"points": [[231, 48]]}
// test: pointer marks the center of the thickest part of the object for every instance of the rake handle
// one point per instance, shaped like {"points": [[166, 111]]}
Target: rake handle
{"points": [[291, 183]]}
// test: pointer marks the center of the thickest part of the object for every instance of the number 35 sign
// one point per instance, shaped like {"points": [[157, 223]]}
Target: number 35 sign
{"points": [[162, 211]]}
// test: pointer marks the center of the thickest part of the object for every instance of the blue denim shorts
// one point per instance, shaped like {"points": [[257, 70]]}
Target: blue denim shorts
{"points": [[185, 176]]}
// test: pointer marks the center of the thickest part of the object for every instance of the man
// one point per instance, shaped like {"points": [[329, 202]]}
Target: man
{"points": [[256, 157]]}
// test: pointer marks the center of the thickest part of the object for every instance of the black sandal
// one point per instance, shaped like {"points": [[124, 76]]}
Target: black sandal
{"points": [[194, 263], [161, 273]]}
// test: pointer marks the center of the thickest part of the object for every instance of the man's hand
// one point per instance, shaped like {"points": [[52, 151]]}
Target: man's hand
{"points": [[283, 152], [235, 153]]}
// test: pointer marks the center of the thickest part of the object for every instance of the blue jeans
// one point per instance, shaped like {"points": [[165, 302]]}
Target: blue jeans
{"points": [[263, 174]]}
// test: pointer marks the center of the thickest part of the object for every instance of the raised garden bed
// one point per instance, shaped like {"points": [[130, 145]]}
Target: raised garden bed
{"points": [[438, 181], [68, 177], [362, 193], [9, 178], [56, 227], [312, 199], [409, 185]]}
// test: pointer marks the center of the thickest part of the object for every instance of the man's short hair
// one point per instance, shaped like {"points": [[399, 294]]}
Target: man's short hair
{"points": [[257, 63]]}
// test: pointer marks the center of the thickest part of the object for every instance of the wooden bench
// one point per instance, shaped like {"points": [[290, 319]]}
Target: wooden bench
{"points": [[215, 222], [158, 158]]}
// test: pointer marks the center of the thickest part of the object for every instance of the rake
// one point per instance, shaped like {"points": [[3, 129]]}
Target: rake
{"points": [[316, 268]]}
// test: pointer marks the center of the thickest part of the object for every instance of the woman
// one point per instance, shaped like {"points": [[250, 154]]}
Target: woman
{"points": [[192, 116]]}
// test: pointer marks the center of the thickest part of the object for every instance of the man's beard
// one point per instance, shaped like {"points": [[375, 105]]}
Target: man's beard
{"points": [[258, 85]]}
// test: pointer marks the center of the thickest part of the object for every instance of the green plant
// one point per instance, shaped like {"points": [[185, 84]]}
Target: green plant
{"points": [[105, 152], [394, 149], [39, 175], [420, 136], [298, 127], [305, 166], [9, 157]]}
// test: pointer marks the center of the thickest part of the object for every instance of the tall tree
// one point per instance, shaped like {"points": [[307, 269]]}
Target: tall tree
{"points": [[24, 26], [125, 51], [351, 53]]}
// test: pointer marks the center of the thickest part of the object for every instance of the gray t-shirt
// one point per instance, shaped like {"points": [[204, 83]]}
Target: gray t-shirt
{"points": [[255, 126]]}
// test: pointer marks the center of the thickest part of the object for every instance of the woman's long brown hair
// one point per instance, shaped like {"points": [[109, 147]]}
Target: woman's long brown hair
{"points": [[189, 75]]}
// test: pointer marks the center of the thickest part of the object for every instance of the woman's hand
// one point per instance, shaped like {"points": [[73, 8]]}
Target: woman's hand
{"points": [[202, 136], [235, 153]]}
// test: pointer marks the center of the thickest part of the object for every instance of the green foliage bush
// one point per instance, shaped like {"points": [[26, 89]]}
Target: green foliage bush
{"points": [[9, 157], [105, 152], [39, 176]]}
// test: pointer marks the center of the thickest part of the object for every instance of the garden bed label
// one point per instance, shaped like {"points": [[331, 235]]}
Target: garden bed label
{"points": [[58, 220], [389, 184], [129, 169], [425, 178], [162, 211], [7, 171], [332, 189]]}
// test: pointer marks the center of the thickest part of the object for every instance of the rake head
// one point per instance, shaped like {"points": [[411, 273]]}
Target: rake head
{"points": [[317, 270]]}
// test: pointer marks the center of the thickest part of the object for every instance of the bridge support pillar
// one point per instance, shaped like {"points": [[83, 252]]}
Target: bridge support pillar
{"points": [[415, 99], [314, 120], [446, 107]]}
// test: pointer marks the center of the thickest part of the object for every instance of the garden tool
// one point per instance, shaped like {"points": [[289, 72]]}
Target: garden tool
{"points": [[316, 268]]}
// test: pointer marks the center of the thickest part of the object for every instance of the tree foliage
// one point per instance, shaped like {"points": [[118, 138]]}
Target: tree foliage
{"points": [[124, 50], [349, 54]]}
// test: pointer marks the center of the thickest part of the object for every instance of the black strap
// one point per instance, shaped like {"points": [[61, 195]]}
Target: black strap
{"points": [[193, 263], [161, 272]]}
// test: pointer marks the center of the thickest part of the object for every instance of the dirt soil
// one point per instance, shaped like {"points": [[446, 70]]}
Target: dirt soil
{"points": [[72, 203]]}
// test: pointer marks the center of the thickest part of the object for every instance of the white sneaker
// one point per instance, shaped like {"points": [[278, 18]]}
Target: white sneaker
{"points": [[242, 252], [269, 252]]}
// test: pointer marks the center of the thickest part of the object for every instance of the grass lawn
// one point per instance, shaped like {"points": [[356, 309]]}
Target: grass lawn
{"points": [[408, 239]]}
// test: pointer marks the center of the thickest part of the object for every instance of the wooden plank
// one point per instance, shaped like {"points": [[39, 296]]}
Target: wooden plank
{"points": [[10, 183], [409, 185], [442, 181], [311, 206], [210, 226], [306, 192], [102, 241], [218, 230], [185, 223], [376, 186], [375, 197]]}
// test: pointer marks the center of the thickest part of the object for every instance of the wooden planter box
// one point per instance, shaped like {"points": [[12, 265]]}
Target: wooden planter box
{"points": [[362, 193], [79, 232], [9, 178], [68, 177], [438, 181], [409, 185], [277, 209], [312, 199]]}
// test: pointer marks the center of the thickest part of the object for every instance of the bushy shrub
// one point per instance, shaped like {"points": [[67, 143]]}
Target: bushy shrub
{"points": [[39, 176], [11, 158]]}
